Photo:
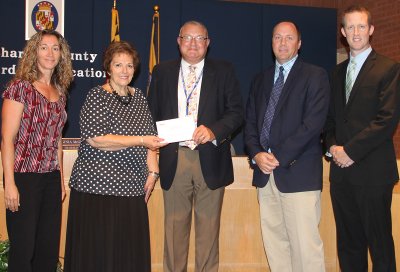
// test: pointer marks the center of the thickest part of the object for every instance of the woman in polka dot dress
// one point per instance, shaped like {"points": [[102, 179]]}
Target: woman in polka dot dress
{"points": [[114, 174]]}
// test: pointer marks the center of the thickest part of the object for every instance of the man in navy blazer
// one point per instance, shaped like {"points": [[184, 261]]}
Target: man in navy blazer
{"points": [[363, 116], [194, 173], [288, 168]]}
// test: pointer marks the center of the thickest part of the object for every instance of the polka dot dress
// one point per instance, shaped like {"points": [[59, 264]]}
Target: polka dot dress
{"points": [[119, 173]]}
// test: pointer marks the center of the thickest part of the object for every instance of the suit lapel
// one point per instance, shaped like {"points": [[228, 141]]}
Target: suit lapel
{"points": [[290, 80], [342, 82], [263, 98], [206, 86], [367, 66], [172, 86]]}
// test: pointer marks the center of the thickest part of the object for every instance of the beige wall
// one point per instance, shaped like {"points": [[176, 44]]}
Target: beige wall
{"points": [[240, 240]]}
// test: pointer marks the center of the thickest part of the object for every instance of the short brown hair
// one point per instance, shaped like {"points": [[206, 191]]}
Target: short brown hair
{"points": [[120, 47], [357, 8]]}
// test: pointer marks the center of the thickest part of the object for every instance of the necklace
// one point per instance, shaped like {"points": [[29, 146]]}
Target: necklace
{"points": [[120, 98]]}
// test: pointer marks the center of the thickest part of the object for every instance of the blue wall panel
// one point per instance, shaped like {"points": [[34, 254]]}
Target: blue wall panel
{"points": [[239, 32]]}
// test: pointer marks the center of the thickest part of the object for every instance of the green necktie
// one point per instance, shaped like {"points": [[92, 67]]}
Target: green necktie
{"points": [[350, 78]]}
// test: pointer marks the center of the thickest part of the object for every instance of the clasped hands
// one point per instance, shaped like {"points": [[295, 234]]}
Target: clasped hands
{"points": [[266, 162], [340, 156]]}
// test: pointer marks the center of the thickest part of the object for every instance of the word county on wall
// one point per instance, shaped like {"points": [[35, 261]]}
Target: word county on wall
{"points": [[77, 58]]}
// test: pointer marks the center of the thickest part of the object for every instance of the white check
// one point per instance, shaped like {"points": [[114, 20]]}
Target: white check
{"points": [[176, 130]]}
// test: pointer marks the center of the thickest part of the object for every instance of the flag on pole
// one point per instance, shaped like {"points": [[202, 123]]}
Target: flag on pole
{"points": [[114, 24], [154, 57]]}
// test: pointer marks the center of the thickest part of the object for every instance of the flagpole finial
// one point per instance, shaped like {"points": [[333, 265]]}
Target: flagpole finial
{"points": [[156, 8]]}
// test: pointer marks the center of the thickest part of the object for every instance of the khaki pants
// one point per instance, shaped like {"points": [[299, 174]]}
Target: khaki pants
{"points": [[189, 192], [289, 224]]}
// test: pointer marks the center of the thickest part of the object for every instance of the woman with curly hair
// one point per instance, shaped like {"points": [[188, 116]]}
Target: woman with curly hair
{"points": [[33, 117]]}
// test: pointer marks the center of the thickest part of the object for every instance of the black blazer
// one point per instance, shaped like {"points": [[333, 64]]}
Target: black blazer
{"points": [[220, 109], [296, 128], [366, 124]]}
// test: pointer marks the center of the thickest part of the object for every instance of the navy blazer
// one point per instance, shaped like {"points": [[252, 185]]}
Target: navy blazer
{"points": [[366, 124], [220, 109], [295, 130]]}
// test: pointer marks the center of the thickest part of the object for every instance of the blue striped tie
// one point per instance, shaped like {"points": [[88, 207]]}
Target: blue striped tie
{"points": [[270, 112]]}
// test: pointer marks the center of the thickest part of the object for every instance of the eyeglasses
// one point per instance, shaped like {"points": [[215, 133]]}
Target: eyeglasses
{"points": [[189, 38]]}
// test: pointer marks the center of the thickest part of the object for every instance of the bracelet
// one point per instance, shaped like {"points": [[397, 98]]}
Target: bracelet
{"points": [[154, 174], [141, 140]]}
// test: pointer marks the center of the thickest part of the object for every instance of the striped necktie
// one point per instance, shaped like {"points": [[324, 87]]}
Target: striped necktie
{"points": [[270, 112], [350, 78]]}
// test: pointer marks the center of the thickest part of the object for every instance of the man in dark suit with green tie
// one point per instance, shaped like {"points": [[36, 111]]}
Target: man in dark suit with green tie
{"points": [[363, 116]]}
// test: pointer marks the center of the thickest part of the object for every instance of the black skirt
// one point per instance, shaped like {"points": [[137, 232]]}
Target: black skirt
{"points": [[107, 233]]}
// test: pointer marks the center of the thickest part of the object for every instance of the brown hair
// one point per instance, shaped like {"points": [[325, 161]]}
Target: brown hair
{"points": [[28, 70], [357, 8], [120, 47]]}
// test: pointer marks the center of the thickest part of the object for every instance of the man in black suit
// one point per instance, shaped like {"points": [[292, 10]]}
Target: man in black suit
{"points": [[362, 119], [285, 114], [194, 173]]}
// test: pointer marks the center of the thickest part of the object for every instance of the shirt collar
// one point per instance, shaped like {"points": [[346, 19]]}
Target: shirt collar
{"points": [[185, 65], [360, 58], [287, 65]]}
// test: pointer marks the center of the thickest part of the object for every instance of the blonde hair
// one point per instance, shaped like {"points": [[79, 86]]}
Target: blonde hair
{"points": [[28, 70]]}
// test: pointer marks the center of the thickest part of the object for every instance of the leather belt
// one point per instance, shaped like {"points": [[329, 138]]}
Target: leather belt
{"points": [[186, 147]]}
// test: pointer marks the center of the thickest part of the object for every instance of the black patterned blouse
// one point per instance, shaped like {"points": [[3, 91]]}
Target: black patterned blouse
{"points": [[119, 173]]}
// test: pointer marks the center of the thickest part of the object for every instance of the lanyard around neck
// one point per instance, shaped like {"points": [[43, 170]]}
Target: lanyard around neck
{"points": [[186, 91]]}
